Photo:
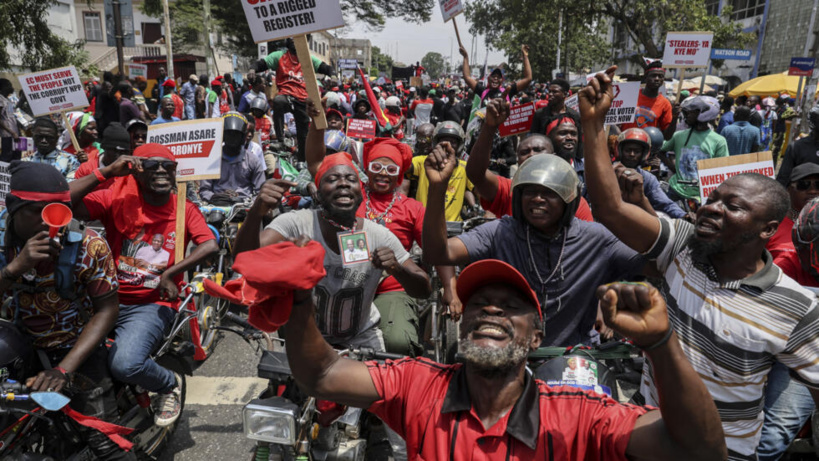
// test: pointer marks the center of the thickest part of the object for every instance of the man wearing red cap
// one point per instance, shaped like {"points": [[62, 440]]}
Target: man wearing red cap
{"points": [[491, 408], [170, 92], [139, 206]]}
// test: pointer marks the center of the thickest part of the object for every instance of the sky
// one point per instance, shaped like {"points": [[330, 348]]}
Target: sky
{"points": [[408, 42]]}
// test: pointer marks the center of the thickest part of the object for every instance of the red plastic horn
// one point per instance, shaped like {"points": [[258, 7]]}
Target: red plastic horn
{"points": [[56, 215]]}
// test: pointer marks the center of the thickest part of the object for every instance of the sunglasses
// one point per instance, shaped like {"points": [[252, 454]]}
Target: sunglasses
{"points": [[391, 170], [153, 165], [804, 184], [537, 149]]}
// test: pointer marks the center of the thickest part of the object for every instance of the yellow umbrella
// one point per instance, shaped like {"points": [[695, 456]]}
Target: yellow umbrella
{"points": [[768, 85]]}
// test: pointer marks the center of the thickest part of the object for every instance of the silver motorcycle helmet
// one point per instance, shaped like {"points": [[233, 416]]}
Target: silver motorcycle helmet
{"points": [[553, 173]]}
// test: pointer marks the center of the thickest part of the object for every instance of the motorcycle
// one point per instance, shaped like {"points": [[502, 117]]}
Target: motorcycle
{"points": [[33, 428], [224, 222], [289, 425]]}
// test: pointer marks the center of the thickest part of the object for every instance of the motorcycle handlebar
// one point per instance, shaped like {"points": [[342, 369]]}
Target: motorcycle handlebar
{"points": [[13, 387], [239, 321]]}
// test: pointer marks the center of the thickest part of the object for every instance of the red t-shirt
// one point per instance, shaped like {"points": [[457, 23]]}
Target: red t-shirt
{"points": [[651, 112], [139, 265], [179, 106], [782, 242], [90, 151], [394, 119], [263, 127], [502, 205], [792, 267], [405, 219], [88, 168], [428, 405]]}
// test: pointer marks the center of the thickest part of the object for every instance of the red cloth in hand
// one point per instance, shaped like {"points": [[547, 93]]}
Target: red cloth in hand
{"points": [[267, 289]]}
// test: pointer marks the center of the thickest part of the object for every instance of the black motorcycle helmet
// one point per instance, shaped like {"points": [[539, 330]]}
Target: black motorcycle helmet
{"points": [[657, 138], [15, 351], [234, 134], [259, 103]]}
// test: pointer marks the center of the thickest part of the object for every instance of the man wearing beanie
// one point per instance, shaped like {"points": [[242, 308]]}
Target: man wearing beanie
{"points": [[140, 205], [57, 325], [46, 135], [116, 142]]}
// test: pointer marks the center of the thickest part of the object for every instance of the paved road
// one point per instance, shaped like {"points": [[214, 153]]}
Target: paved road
{"points": [[211, 424]]}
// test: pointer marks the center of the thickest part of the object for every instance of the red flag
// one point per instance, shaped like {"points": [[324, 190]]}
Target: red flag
{"points": [[376, 108]]}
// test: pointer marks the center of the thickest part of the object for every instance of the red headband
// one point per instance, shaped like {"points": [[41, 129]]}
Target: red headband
{"points": [[392, 149], [339, 158], [558, 121], [154, 150], [31, 196], [658, 69]]}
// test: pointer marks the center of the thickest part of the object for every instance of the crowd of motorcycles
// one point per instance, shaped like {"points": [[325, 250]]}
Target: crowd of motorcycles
{"points": [[284, 423]]}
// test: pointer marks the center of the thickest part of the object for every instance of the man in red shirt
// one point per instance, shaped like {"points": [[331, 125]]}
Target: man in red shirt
{"points": [[139, 206], [292, 92], [653, 109], [803, 186], [490, 407], [178, 103], [496, 191]]}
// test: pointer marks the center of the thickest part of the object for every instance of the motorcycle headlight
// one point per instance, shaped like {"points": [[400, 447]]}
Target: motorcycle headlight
{"points": [[270, 420]]}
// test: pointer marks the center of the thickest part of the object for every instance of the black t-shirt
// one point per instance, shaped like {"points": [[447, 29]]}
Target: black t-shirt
{"points": [[805, 150], [509, 92], [453, 112]]}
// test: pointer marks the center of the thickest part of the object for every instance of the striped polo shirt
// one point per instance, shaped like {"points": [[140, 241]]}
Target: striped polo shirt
{"points": [[733, 332]]}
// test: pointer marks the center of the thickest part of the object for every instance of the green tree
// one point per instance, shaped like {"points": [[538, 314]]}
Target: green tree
{"points": [[228, 19], [434, 64], [584, 43], [381, 62], [27, 33]]}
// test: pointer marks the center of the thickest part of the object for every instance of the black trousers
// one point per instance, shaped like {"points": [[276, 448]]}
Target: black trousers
{"points": [[284, 104]]}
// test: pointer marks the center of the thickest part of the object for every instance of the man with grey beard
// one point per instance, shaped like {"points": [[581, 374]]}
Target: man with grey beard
{"points": [[491, 408]]}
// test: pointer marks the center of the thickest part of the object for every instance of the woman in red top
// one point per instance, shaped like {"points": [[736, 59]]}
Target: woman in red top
{"points": [[385, 161], [85, 129]]}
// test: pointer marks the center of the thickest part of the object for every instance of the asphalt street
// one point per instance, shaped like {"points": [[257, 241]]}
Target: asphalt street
{"points": [[210, 427]]}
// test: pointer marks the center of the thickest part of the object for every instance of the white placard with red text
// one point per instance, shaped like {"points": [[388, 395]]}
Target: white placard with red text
{"points": [[714, 171], [687, 49], [572, 103], [624, 106], [519, 121], [54, 90], [451, 8], [277, 19], [196, 144], [137, 70]]}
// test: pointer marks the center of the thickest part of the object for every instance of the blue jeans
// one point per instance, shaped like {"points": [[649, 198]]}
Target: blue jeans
{"points": [[190, 111], [788, 405], [139, 331]]}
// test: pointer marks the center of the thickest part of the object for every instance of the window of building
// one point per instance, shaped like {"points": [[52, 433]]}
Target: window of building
{"points": [[93, 26], [747, 9], [712, 7]]}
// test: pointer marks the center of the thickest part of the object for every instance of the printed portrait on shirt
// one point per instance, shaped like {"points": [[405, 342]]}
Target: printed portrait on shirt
{"points": [[143, 260]]}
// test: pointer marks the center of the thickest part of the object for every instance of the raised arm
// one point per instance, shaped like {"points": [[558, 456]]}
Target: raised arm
{"points": [[318, 369], [79, 188], [467, 73], [523, 83], [688, 425], [314, 148], [477, 166], [629, 223], [438, 249]]}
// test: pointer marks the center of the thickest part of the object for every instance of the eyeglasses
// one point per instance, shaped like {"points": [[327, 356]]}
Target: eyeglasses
{"points": [[804, 184], [391, 170], [536, 149], [153, 165]]}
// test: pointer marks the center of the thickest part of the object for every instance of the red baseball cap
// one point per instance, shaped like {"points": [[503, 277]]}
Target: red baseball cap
{"points": [[169, 82], [490, 271]]}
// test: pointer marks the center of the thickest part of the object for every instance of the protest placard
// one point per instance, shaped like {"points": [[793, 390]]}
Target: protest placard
{"points": [[624, 106], [196, 144], [519, 120], [137, 70], [687, 49], [347, 63], [451, 8], [275, 20], [714, 171], [801, 67], [360, 128], [54, 90], [572, 103]]}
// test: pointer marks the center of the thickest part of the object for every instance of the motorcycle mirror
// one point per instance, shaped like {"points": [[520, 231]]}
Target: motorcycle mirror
{"points": [[51, 401]]}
